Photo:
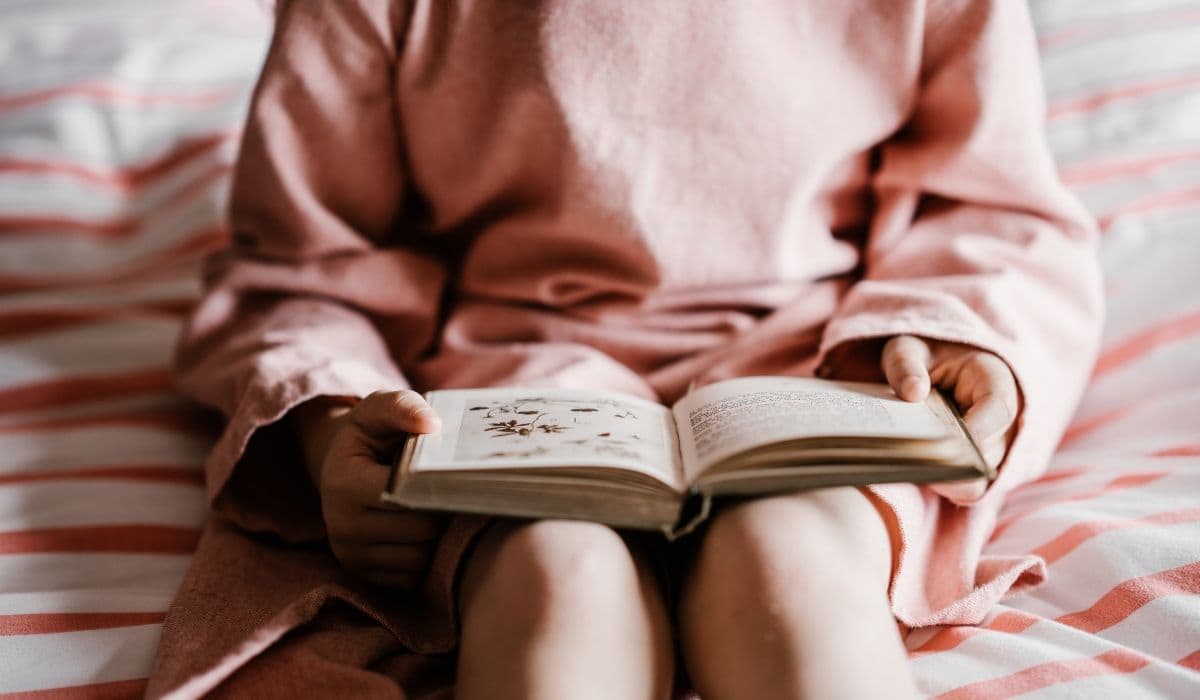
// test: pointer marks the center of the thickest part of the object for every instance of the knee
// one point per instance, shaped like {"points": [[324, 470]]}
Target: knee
{"points": [[554, 564], [795, 542]]}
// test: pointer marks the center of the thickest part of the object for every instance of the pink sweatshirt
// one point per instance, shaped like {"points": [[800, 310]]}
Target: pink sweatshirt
{"points": [[630, 196]]}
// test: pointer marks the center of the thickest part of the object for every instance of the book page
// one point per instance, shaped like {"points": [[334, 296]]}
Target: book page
{"points": [[513, 427], [728, 417]]}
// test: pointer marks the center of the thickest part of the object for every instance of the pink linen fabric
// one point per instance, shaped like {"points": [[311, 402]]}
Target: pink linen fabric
{"points": [[626, 196]]}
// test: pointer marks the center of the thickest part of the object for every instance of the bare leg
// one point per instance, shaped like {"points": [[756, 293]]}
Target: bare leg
{"points": [[560, 609], [788, 599]]}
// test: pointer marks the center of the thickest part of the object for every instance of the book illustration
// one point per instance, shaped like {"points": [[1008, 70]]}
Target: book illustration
{"points": [[547, 428]]}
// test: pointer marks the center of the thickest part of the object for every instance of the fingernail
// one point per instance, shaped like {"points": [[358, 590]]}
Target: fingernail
{"points": [[912, 387]]}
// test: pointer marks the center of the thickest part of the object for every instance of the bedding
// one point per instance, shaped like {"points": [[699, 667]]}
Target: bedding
{"points": [[118, 124]]}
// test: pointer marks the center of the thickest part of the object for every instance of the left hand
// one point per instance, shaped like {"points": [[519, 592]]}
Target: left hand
{"points": [[983, 387]]}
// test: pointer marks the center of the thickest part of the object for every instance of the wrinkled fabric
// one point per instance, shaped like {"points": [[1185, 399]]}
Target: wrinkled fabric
{"points": [[631, 196]]}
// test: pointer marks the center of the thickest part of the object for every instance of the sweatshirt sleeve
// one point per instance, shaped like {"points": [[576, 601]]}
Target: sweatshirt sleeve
{"points": [[975, 240], [318, 265]]}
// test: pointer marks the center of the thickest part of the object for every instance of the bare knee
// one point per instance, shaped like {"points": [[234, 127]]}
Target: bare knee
{"points": [[550, 564], [796, 542]]}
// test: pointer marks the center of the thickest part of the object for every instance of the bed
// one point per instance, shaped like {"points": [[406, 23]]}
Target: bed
{"points": [[118, 125]]}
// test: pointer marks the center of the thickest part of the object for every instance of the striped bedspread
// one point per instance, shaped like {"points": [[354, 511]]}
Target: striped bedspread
{"points": [[118, 124]]}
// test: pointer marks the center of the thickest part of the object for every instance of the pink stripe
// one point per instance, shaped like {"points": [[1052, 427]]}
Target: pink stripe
{"points": [[54, 623], [1192, 450], [1092, 173], [1120, 483], [113, 690], [187, 419], [115, 93], [1067, 541], [1117, 604], [1172, 330], [1129, 596], [1086, 426], [1156, 202], [1116, 661], [142, 472], [149, 268], [127, 178], [112, 228], [81, 389], [40, 321], [121, 227], [1122, 25], [131, 539], [1056, 475], [1191, 661], [1009, 621], [1092, 103]]}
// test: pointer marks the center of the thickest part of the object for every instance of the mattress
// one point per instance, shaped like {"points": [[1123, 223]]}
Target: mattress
{"points": [[118, 125]]}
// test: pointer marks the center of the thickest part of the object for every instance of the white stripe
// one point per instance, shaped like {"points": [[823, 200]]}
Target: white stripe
{"points": [[184, 287], [1172, 492], [1154, 375], [38, 505], [1154, 682], [1119, 59], [1154, 422], [38, 661], [70, 572], [39, 256], [1033, 498], [42, 195], [1155, 283], [94, 136], [1167, 628], [1119, 128], [109, 445], [1054, 15], [101, 347], [1110, 196], [1105, 561], [117, 407], [91, 600], [990, 655]]}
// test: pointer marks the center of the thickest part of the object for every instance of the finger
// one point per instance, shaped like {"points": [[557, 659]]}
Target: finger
{"points": [[994, 448], [985, 373], [906, 365], [988, 417], [354, 477], [961, 491], [388, 414]]}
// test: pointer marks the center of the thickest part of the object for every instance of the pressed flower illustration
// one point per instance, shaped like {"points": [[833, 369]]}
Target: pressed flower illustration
{"points": [[553, 427]]}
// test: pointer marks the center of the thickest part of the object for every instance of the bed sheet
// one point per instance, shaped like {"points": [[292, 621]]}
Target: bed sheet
{"points": [[118, 124]]}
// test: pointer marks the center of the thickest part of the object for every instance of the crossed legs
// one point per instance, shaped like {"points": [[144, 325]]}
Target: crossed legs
{"points": [[787, 598]]}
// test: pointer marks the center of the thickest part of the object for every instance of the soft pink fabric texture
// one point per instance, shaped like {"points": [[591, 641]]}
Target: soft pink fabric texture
{"points": [[624, 196]]}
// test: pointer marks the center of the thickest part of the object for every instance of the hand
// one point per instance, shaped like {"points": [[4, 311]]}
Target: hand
{"points": [[346, 449], [983, 387]]}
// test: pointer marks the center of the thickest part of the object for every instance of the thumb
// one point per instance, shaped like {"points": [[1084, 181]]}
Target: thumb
{"points": [[961, 492], [384, 415], [906, 366]]}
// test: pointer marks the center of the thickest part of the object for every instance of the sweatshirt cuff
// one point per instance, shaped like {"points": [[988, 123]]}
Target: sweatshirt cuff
{"points": [[256, 474]]}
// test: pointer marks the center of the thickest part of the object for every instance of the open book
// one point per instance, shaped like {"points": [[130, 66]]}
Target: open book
{"points": [[628, 462]]}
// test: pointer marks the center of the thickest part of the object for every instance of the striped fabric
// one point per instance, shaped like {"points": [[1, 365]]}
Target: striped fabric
{"points": [[117, 127]]}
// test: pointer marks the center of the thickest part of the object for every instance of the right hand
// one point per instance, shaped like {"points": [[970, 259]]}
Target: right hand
{"points": [[346, 448]]}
